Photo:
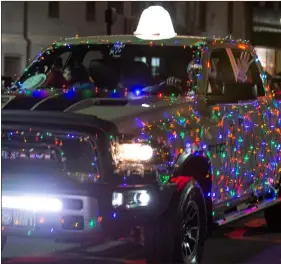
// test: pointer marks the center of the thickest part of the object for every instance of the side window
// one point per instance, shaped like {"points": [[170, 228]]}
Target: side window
{"points": [[65, 57], [252, 72], [220, 72], [234, 75], [155, 66]]}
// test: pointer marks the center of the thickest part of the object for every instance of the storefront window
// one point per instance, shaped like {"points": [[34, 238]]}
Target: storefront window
{"points": [[267, 59]]}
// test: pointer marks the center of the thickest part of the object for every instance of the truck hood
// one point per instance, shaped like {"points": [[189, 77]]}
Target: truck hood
{"points": [[129, 115]]}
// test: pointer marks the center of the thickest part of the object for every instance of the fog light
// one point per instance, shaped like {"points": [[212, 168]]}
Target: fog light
{"points": [[117, 199]]}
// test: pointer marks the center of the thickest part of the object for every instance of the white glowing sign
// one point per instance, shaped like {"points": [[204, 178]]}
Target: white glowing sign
{"points": [[155, 24]]}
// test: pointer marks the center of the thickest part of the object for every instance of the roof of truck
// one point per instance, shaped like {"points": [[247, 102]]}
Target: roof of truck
{"points": [[131, 39]]}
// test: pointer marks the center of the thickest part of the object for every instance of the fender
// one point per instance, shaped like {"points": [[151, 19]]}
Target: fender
{"points": [[189, 173], [190, 151], [183, 169]]}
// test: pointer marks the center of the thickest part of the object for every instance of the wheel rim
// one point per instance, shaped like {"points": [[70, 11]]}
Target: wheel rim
{"points": [[190, 231]]}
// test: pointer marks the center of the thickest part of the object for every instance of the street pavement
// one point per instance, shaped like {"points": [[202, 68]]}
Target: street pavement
{"points": [[245, 242]]}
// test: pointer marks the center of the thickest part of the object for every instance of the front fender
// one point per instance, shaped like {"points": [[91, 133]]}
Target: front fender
{"points": [[191, 151]]}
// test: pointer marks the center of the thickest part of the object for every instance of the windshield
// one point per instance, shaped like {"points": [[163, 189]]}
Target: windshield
{"points": [[119, 66]]}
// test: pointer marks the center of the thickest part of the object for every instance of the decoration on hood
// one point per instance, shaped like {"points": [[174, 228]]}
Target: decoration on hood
{"points": [[155, 24]]}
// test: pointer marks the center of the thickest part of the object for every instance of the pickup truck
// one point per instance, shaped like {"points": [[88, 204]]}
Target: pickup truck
{"points": [[173, 137]]}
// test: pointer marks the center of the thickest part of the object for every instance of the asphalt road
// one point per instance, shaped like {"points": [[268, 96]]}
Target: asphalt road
{"points": [[245, 242]]}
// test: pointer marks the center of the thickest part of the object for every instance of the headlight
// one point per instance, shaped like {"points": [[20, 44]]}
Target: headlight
{"points": [[135, 152], [142, 198], [131, 199], [32, 203]]}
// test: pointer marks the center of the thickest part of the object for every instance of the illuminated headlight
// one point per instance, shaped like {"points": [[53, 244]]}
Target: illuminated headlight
{"points": [[142, 198], [32, 203], [136, 152], [131, 199]]}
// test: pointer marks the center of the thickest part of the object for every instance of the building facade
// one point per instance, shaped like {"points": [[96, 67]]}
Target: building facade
{"points": [[27, 27], [258, 22], [264, 31]]}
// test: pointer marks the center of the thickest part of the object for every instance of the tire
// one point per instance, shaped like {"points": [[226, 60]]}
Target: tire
{"points": [[3, 242], [158, 239], [193, 204], [163, 240], [272, 217]]}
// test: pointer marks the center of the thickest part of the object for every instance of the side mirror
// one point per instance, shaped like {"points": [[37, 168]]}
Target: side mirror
{"points": [[275, 86]]}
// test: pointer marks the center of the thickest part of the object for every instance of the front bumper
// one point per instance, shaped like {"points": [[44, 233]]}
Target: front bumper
{"points": [[79, 217], [97, 218]]}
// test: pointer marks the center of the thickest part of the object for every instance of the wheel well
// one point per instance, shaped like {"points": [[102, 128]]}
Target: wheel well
{"points": [[200, 169]]}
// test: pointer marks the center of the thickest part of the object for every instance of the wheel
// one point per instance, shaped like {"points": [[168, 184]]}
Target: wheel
{"points": [[3, 242], [272, 217], [190, 240], [178, 237]]}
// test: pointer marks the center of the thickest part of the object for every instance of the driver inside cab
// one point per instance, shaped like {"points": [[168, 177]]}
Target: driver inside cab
{"points": [[74, 74], [55, 77]]}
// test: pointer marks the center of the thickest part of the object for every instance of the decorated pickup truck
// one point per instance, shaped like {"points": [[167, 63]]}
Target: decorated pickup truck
{"points": [[170, 135]]}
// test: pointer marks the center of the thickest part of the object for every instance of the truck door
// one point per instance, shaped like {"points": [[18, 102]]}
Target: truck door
{"points": [[238, 153], [223, 131], [253, 140]]}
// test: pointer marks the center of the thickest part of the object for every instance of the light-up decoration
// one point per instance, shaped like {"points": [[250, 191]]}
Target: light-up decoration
{"points": [[32, 203], [135, 152], [155, 23], [117, 48], [34, 81]]}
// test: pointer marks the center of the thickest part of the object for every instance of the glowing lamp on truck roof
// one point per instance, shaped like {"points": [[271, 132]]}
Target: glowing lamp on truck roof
{"points": [[155, 24]]}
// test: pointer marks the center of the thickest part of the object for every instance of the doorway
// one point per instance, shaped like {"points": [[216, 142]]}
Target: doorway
{"points": [[12, 66]]}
